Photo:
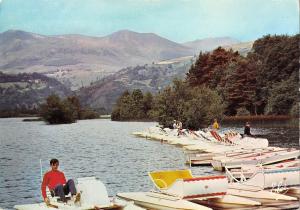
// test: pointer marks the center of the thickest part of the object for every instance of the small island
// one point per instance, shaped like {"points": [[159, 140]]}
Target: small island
{"points": [[68, 110]]}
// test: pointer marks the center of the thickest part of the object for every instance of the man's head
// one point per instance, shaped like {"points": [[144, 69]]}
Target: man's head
{"points": [[215, 120], [54, 163], [247, 124]]}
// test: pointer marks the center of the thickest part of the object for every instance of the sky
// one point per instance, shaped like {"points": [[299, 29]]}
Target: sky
{"points": [[177, 20]]}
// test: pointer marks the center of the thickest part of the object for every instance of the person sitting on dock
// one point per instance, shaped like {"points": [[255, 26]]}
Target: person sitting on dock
{"points": [[215, 125], [179, 128], [56, 182], [247, 129], [174, 124]]}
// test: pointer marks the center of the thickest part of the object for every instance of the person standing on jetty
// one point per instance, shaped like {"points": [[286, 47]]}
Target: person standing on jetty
{"points": [[56, 182], [174, 124], [247, 129], [215, 125]]}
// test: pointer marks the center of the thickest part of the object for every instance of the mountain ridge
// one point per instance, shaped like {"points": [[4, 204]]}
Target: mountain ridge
{"points": [[77, 60], [80, 59]]}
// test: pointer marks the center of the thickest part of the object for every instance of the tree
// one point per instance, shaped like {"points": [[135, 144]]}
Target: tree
{"points": [[116, 112], [204, 106], [278, 58], [137, 108], [283, 96], [209, 67], [68, 110], [147, 104], [194, 107], [132, 106], [55, 111], [74, 101], [240, 88]]}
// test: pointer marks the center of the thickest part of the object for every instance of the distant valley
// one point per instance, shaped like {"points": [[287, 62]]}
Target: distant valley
{"points": [[149, 77]]}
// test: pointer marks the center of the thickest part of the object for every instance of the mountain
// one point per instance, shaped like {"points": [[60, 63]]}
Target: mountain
{"points": [[209, 44], [27, 91], [77, 60], [151, 77]]}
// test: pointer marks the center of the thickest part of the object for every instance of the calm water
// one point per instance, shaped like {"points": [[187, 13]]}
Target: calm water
{"points": [[98, 148]]}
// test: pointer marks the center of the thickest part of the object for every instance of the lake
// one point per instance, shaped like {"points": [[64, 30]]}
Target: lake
{"points": [[100, 148]]}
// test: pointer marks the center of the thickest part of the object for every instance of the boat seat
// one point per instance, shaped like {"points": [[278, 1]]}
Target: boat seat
{"points": [[164, 179], [182, 184], [219, 138]]}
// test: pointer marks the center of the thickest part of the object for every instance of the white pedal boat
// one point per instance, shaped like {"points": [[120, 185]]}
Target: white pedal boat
{"points": [[195, 158], [213, 148], [246, 171], [93, 196], [237, 139], [258, 194], [232, 199], [237, 200], [250, 142], [182, 140], [171, 136], [274, 179], [181, 184], [263, 158], [159, 201], [176, 188]]}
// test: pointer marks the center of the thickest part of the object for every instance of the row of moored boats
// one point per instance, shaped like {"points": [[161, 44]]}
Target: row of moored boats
{"points": [[253, 169]]}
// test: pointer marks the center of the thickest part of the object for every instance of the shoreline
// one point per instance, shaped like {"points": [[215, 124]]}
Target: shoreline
{"points": [[259, 118], [229, 118]]}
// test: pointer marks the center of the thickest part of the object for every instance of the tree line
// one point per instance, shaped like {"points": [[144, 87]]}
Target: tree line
{"points": [[195, 107], [223, 82], [264, 82]]}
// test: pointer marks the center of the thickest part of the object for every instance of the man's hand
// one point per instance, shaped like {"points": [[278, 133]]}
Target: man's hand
{"points": [[47, 201]]}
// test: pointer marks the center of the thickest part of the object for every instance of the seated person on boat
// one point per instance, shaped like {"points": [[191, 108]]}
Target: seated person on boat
{"points": [[215, 125], [56, 182]]}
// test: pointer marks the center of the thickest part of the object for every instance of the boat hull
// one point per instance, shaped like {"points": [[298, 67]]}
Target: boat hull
{"points": [[160, 201], [259, 194]]}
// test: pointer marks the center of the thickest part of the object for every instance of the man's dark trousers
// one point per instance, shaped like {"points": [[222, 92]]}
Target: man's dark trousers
{"points": [[63, 190]]}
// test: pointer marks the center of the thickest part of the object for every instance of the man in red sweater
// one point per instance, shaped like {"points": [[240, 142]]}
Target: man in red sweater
{"points": [[56, 182]]}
